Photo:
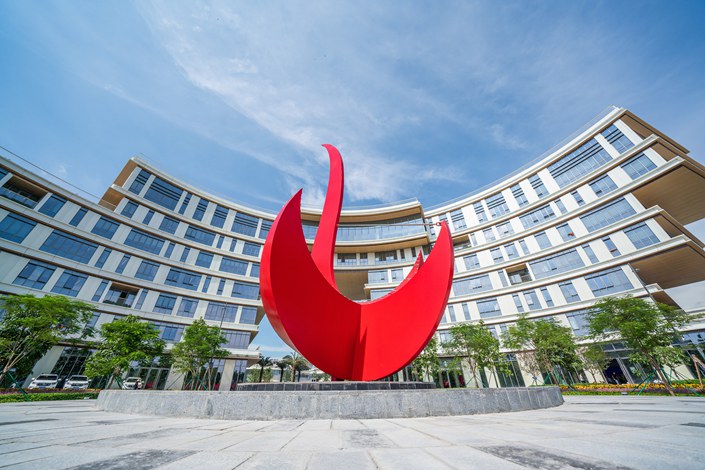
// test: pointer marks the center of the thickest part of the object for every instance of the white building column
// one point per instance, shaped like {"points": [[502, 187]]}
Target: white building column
{"points": [[45, 364]]}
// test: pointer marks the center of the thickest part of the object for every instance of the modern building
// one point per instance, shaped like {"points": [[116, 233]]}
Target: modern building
{"points": [[601, 214]]}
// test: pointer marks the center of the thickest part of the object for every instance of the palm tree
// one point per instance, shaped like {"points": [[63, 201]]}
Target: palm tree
{"points": [[282, 365], [297, 363], [264, 361]]}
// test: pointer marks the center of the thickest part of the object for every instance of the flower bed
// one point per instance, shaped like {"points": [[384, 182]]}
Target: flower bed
{"points": [[680, 388]]}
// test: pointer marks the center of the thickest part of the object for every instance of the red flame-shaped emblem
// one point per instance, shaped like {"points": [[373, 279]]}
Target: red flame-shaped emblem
{"points": [[347, 339]]}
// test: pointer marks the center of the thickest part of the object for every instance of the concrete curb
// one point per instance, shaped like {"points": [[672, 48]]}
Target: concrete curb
{"points": [[264, 405]]}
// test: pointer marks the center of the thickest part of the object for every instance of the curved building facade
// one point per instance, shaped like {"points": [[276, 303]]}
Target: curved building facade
{"points": [[604, 214]]}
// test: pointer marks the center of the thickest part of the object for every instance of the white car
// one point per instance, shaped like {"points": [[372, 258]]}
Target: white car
{"points": [[44, 381], [132, 383], [76, 382]]}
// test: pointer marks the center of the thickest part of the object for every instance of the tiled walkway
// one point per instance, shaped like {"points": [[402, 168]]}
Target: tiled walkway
{"points": [[585, 433]]}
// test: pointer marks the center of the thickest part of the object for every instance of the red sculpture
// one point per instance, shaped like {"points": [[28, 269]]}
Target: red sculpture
{"points": [[347, 339]]}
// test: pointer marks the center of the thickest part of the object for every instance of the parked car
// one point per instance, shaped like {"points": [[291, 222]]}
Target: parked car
{"points": [[132, 383], [76, 382], [44, 381]]}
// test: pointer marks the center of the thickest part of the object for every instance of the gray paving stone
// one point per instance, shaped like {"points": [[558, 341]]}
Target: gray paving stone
{"points": [[342, 460]]}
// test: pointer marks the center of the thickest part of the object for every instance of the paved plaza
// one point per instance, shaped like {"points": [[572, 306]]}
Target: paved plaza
{"points": [[600, 432]]}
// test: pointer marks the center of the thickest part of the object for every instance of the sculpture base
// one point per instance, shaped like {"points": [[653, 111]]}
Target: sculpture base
{"points": [[270, 405], [331, 386]]}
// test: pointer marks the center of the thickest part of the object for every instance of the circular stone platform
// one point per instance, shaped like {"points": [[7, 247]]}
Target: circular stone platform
{"points": [[271, 405], [331, 386]]}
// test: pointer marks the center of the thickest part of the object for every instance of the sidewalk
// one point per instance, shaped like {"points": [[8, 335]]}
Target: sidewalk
{"points": [[600, 432]]}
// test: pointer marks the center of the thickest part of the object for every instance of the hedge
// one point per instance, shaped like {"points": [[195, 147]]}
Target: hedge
{"points": [[16, 397]]}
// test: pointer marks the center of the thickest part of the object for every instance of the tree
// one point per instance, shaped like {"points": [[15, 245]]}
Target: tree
{"points": [[474, 342], [199, 345], [297, 363], [426, 363], [31, 325], [543, 346], [595, 360], [264, 361], [122, 342], [282, 364], [648, 329]]}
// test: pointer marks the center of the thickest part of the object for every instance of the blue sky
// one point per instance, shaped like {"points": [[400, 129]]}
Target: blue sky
{"points": [[424, 99]]}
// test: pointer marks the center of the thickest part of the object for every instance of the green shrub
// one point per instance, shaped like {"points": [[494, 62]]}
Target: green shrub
{"points": [[15, 397]]}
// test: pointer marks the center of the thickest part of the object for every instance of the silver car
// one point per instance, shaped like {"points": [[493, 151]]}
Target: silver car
{"points": [[76, 382], [132, 383], [44, 381]]}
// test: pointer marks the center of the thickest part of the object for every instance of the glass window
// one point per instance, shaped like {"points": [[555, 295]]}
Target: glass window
{"points": [[245, 224], [517, 303], [129, 209], [641, 235], [254, 270], [118, 295], [140, 299], [69, 283], [519, 276], [569, 292], [611, 246], [532, 301], [565, 231], [184, 254], [590, 254], [518, 194], [542, 240], [105, 227], [537, 216], [21, 193], [383, 257], [103, 258], [264, 229], [608, 282], [219, 216], [618, 140], [638, 165], [489, 235], [237, 339], [472, 285], [163, 193], [67, 246], [15, 227], [99, 291], [251, 249], [185, 203], [183, 278], [200, 209], [147, 271], [78, 217], [471, 261], [579, 322], [248, 315], [35, 275], [538, 186], [216, 311], [397, 275], [524, 248], [148, 218], [480, 211], [200, 235], [122, 264], [582, 161], [547, 297], [488, 308], [458, 219], [578, 198], [505, 229], [187, 308], [556, 264], [497, 205], [607, 214], [204, 259], [245, 290], [206, 284], [561, 206], [497, 256], [602, 185], [511, 250], [139, 182], [165, 304], [52, 205], [466, 311], [230, 265], [221, 286], [169, 225], [145, 242], [169, 250], [451, 313]]}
